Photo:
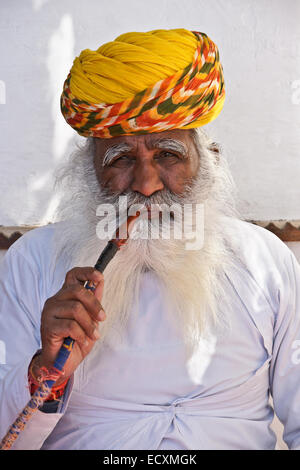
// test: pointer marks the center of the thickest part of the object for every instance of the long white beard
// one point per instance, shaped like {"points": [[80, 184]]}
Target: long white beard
{"points": [[193, 280]]}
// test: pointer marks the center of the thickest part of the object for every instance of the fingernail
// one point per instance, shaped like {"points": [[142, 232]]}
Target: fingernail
{"points": [[101, 315]]}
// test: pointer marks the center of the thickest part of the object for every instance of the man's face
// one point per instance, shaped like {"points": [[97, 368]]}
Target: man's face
{"points": [[146, 163]]}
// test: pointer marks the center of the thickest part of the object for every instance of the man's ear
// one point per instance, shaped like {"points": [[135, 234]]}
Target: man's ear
{"points": [[216, 149]]}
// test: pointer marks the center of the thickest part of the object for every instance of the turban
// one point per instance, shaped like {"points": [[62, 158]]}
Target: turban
{"points": [[144, 82]]}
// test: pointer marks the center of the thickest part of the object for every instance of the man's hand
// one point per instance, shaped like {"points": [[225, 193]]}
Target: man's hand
{"points": [[74, 311]]}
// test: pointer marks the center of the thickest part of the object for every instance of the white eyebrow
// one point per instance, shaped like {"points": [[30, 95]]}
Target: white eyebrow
{"points": [[171, 144], [165, 144], [113, 152]]}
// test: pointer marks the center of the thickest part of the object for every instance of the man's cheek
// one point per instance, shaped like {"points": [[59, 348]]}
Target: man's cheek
{"points": [[116, 181], [175, 181]]}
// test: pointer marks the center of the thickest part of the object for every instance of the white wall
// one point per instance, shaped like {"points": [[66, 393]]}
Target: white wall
{"points": [[259, 42]]}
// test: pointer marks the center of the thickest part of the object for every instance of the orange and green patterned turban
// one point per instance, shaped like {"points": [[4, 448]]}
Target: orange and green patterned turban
{"points": [[144, 82]]}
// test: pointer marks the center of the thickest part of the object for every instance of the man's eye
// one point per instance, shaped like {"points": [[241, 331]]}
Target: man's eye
{"points": [[168, 156], [122, 160]]}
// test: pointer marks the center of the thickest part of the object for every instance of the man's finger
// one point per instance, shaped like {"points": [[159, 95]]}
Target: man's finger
{"points": [[69, 327], [80, 275], [98, 292], [78, 293], [74, 310]]}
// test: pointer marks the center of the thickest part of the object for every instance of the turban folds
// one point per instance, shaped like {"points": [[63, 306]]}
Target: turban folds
{"points": [[144, 82]]}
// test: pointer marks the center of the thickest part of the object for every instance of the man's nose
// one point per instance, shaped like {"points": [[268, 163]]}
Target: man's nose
{"points": [[146, 178]]}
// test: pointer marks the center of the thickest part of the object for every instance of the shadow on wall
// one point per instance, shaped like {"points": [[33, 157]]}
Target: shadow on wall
{"points": [[40, 39]]}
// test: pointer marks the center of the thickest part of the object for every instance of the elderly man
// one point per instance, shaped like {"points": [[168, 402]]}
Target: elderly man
{"points": [[180, 346]]}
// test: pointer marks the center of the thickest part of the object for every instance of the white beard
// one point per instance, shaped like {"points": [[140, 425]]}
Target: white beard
{"points": [[192, 280]]}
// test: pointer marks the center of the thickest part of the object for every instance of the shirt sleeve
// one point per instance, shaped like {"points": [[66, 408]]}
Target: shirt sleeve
{"points": [[285, 364], [20, 312]]}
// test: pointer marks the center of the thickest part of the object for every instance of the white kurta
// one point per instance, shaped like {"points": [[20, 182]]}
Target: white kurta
{"points": [[145, 394]]}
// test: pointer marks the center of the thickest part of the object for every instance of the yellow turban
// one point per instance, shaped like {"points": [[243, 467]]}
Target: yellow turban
{"points": [[144, 82]]}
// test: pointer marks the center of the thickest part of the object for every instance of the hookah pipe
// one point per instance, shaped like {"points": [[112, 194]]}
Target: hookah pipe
{"points": [[40, 395]]}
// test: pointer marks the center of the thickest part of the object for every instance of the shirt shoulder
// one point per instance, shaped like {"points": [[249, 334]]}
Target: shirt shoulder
{"points": [[35, 241], [252, 242], [263, 260], [35, 251]]}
